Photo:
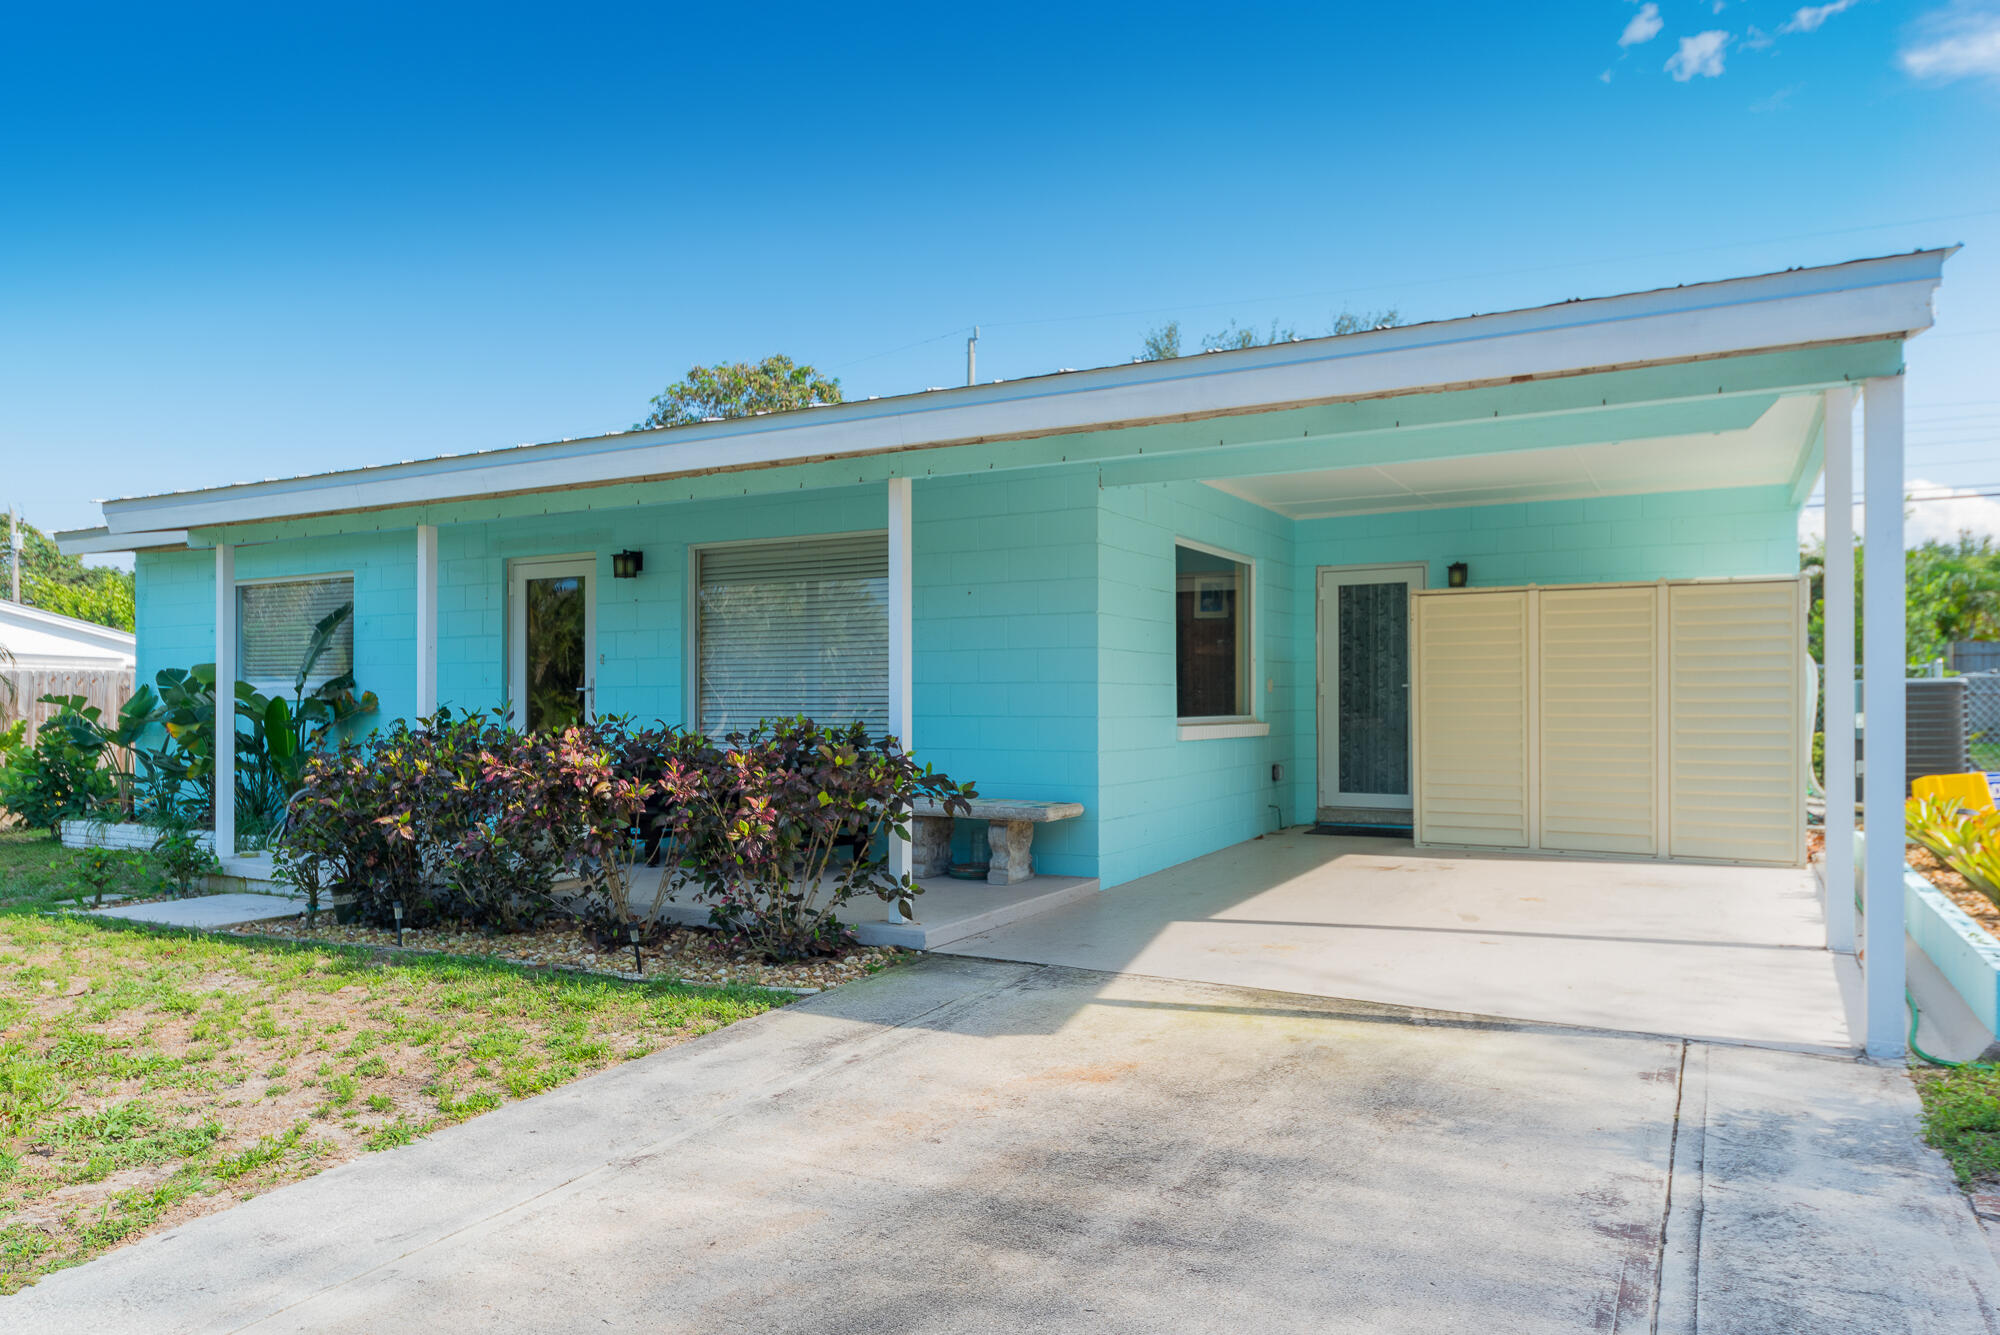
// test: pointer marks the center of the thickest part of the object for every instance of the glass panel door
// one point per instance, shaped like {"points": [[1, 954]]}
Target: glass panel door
{"points": [[553, 616], [1364, 629]]}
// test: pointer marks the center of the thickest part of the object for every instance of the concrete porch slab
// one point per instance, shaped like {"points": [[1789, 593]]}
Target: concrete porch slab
{"points": [[1724, 954], [947, 911]]}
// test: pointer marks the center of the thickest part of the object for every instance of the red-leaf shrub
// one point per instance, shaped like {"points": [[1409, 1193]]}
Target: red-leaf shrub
{"points": [[780, 827]]}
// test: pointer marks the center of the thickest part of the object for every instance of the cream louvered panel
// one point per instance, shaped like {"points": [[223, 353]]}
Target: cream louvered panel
{"points": [[1472, 732], [1734, 779], [1599, 721]]}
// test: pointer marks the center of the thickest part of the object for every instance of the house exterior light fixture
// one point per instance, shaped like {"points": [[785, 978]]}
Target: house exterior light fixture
{"points": [[1456, 574], [627, 565]]}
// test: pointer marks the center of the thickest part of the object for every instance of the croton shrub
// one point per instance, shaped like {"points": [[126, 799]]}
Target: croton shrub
{"points": [[463, 818]]}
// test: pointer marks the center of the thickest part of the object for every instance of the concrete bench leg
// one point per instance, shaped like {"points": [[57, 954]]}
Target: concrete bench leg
{"points": [[1009, 841], [931, 855]]}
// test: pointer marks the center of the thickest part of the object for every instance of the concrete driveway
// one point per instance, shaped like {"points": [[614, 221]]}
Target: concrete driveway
{"points": [[1733, 954], [968, 1146]]}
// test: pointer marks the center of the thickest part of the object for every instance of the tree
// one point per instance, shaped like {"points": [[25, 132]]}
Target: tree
{"points": [[1951, 591], [738, 389], [1164, 342], [65, 585]]}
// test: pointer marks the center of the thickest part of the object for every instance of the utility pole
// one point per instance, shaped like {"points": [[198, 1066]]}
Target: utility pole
{"points": [[14, 541], [972, 357]]}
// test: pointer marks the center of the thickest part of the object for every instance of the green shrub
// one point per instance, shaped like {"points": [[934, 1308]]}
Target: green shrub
{"points": [[92, 871], [58, 779], [180, 856]]}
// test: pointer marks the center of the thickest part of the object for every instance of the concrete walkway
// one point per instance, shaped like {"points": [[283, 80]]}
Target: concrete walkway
{"points": [[207, 911], [1731, 954], [971, 1146]]}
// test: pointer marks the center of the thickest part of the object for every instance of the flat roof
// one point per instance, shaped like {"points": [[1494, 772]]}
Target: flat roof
{"points": [[1887, 297]]}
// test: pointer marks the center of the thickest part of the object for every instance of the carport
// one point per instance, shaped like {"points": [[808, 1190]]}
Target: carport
{"points": [[1729, 954]]}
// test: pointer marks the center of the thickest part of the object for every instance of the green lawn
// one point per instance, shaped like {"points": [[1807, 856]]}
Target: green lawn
{"points": [[1962, 1121], [147, 1077]]}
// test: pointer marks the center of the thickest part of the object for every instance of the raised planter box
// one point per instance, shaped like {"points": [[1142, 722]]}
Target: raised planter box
{"points": [[1964, 952], [123, 834]]}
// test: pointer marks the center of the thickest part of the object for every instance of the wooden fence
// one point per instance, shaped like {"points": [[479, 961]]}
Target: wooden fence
{"points": [[21, 690]]}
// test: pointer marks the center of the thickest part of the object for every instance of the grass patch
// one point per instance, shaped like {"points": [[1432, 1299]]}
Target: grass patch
{"points": [[149, 1076], [1962, 1120]]}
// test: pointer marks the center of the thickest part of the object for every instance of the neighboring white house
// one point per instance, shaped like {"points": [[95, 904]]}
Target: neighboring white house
{"points": [[46, 653]]}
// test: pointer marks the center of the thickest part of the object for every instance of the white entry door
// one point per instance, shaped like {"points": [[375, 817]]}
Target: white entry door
{"points": [[1364, 684], [552, 640]]}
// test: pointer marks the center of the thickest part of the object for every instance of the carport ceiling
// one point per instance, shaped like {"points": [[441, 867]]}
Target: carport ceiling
{"points": [[1770, 452]]}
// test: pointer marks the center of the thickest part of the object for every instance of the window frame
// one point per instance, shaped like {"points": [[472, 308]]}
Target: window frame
{"points": [[1202, 727], [273, 686], [691, 641]]}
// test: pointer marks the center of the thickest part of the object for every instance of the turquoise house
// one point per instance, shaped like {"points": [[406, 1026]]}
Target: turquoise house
{"points": [[1189, 595]]}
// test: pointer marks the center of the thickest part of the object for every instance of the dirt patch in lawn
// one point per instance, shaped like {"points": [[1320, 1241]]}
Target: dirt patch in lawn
{"points": [[1955, 888], [147, 1078], [687, 954]]}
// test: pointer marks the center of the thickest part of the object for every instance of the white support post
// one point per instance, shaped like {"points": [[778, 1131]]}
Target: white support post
{"points": [[901, 714], [1883, 666], [427, 620], [1838, 678], [225, 700]]}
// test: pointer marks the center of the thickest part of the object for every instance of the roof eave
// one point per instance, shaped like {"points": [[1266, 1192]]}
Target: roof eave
{"points": [[1886, 298]]}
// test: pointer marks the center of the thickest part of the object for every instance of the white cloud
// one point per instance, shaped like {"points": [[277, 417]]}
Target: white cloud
{"points": [[1959, 41], [1942, 514], [1809, 18], [1644, 27], [1700, 54]]}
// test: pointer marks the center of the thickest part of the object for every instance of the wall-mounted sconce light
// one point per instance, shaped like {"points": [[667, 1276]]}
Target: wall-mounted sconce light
{"points": [[1456, 574], [627, 565]]}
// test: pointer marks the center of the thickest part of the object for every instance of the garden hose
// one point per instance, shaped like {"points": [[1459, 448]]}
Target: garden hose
{"points": [[1914, 1014], [1937, 1061]]}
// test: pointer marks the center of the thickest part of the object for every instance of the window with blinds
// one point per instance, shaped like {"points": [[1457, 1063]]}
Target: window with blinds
{"points": [[276, 623], [790, 628]]}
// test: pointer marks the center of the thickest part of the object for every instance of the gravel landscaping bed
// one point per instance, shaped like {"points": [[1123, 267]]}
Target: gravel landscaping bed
{"points": [[687, 954]]}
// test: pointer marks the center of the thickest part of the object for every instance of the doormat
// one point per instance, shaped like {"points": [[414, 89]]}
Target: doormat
{"points": [[1376, 831]]}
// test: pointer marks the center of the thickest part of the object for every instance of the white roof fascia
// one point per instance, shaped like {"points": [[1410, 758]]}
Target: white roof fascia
{"points": [[93, 541], [1845, 303]]}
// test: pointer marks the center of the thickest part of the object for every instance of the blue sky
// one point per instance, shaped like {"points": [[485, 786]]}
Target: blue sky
{"points": [[239, 242]]}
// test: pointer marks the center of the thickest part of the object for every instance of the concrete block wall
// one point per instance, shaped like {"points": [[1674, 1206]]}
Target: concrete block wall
{"points": [[1164, 800], [1005, 659]]}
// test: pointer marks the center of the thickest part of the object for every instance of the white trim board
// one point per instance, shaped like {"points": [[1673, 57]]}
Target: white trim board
{"points": [[1888, 297]]}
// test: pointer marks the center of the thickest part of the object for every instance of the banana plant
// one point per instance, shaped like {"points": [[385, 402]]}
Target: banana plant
{"points": [[275, 736]]}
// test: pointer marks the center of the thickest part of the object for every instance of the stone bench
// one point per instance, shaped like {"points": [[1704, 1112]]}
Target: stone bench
{"points": [[1010, 831]]}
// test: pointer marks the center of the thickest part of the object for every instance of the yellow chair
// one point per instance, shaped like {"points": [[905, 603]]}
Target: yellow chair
{"points": [[1970, 791]]}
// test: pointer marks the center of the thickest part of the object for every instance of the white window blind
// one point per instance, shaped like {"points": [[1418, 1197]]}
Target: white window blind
{"points": [[795, 628], [277, 622]]}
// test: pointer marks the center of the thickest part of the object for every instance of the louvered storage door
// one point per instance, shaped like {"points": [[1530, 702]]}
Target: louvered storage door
{"points": [[1472, 735], [1735, 783], [1599, 767]]}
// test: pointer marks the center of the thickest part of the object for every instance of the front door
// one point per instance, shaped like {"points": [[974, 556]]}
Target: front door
{"points": [[552, 637], [1364, 685]]}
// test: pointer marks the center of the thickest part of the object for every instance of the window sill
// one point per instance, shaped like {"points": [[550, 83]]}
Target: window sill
{"points": [[1201, 732]]}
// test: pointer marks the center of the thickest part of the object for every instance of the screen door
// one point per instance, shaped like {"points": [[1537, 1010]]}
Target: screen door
{"points": [[1364, 685]]}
